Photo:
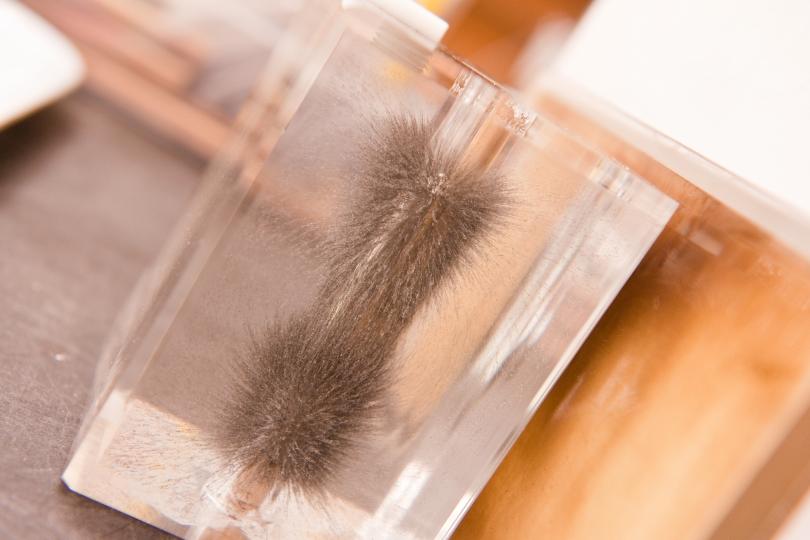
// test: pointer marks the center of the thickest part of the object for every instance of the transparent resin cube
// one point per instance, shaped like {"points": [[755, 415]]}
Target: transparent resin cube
{"points": [[519, 239]]}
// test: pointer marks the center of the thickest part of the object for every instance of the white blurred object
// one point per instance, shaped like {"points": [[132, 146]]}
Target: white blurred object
{"points": [[37, 64], [258, 21], [729, 79], [541, 50], [797, 527]]}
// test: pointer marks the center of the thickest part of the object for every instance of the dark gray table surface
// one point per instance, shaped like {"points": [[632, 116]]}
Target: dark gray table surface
{"points": [[86, 198]]}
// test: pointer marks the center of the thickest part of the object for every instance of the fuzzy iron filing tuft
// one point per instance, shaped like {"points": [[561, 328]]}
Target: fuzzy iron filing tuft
{"points": [[308, 389]]}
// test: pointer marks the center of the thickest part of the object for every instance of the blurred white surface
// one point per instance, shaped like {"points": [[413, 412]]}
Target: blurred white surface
{"points": [[729, 79], [37, 64], [797, 526]]}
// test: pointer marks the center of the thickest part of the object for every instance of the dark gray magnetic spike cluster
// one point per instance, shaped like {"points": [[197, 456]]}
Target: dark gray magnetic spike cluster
{"points": [[308, 389]]}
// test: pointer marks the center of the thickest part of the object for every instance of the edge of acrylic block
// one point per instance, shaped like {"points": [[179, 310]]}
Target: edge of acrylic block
{"points": [[665, 207], [613, 176], [548, 136], [73, 479]]}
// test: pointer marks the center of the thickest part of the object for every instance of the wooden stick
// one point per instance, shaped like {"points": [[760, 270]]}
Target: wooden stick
{"points": [[151, 21], [100, 30], [169, 114]]}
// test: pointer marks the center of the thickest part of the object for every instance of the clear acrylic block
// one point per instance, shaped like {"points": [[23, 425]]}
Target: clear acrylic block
{"points": [[466, 363]]}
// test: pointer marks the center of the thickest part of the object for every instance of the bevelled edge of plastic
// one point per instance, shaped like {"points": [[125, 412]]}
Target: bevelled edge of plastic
{"points": [[426, 27]]}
